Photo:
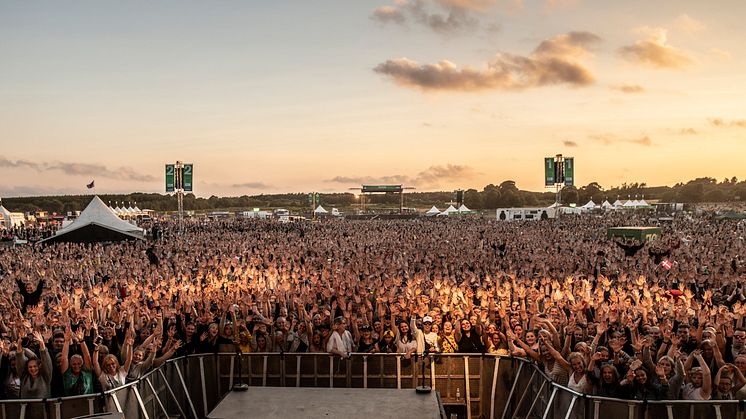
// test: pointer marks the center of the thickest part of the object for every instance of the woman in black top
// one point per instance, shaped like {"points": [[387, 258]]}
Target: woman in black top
{"points": [[367, 343], [469, 340]]}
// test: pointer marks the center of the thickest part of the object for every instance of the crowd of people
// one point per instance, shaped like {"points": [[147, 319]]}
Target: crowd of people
{"points": [[604, 317]]}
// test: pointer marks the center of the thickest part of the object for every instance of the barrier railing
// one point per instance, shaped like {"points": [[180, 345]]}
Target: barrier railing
{"points": [[470, 385], [534, 395]]}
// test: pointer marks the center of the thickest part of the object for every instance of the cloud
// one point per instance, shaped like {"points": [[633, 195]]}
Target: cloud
{"points": [[454, 19], [554, 61], [79, 169], [721, 123], [371, 179], [630, 88], [688, 131], [568, 143], [653, 51], [446, 17], [19, 164], [644, 140], [252, 185], [474, 5], [433, 176], [689, 24], [449, 172], [388, 14], [608, 139]]}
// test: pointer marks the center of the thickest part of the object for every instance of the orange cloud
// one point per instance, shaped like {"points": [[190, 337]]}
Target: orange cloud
{"points": [[630, 88], [653, 51], [554, 61]]}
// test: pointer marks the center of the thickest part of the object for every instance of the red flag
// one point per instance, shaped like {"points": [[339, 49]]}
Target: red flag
{"points": [[666, 264], [91, 185]]}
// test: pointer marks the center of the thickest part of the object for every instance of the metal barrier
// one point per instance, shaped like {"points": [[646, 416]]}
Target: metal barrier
{"points": [[534, 395], [472, 385]]}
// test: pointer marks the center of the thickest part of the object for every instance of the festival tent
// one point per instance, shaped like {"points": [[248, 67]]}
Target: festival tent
{"points": [[448, 211], [97, 223], [618, 203], [320, 210], [589, 206], [629, 204], [642, 203], [464, 209], [432, 211], [606, 205], [555, 205], [11, 219]]}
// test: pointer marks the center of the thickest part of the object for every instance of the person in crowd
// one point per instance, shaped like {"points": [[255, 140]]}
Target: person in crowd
{"points": [[340, 342], [77, 375], [36, 375]]}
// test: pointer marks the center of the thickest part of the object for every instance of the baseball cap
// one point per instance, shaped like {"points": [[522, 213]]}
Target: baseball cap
{"points": [[427, 319]]}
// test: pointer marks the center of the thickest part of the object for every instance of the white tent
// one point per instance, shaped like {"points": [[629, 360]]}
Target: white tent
{"points": [[97, 223], [11, 219], [432, 211], [448, 211], [589, 206], [606, 205], [335, 212], [555, 205], [463, 208], [618, 203], [629, 204], [320, 210], [642, 203]]}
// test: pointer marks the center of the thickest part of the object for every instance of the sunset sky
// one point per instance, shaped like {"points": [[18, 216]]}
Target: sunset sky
{"points": [[294, 96]]}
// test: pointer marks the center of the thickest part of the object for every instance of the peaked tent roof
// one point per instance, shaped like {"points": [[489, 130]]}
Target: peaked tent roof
{"points": [[590, 204], [97, 223], [629, 204], [618, 203], [463, 208], [642, 203], [450, 210], [320, 210], [555, 205], [433, 210]]}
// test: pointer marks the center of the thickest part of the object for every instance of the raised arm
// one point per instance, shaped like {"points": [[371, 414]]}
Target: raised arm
{"points": [[64, 358], [558, 357], [706, 376], [128, 351], [96, 366]]}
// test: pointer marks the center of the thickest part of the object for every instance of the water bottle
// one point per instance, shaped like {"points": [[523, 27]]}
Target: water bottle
{"points": [[458, 394]]}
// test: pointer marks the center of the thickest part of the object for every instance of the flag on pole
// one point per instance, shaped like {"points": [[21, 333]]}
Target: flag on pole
{"points": [[91, 185], [666, 264]]}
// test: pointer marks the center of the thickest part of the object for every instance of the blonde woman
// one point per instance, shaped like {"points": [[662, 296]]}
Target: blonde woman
{"points": [[112, 375]]}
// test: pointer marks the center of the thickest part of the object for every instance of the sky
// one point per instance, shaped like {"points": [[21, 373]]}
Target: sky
{"points": [[300, 96]]}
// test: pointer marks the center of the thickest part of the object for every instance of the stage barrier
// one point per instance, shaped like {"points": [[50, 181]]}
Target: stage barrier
{"points": [[480, 386]]}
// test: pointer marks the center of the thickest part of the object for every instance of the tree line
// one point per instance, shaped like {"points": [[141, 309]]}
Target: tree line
{"points": [[502, 195]]}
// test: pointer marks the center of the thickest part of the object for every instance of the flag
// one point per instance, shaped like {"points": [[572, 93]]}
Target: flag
{"points": [[91, 185], [666, 264]]}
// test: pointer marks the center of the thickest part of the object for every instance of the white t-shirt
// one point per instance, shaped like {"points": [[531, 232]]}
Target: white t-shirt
{"points": [[340, 343], [432, 340], [691, 393]]}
